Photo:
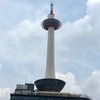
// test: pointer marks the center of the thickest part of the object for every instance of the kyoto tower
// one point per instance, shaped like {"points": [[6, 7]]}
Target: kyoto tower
{"points": [[47, 88], [50, 83]]}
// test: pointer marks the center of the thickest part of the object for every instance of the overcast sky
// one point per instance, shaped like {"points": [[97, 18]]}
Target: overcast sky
{"points": [[23, 44]]}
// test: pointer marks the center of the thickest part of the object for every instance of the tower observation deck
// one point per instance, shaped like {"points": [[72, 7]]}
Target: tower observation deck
{"points": [[51, 21]]}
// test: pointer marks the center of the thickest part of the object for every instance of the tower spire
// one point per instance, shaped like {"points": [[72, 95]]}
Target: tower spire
{"points": [[51, 8]]}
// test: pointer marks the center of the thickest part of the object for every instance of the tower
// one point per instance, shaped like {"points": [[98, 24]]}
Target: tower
{"points": [[50, 83], [49, 87]]}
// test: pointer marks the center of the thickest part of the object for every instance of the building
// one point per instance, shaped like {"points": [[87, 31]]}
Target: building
{"points": [[49, 87]]}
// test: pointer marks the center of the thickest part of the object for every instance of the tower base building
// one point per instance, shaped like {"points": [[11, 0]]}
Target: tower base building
{"points": [[45, 95]]}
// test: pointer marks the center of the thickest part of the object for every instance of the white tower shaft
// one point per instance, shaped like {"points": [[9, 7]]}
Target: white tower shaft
{"points": [[50, 69]]}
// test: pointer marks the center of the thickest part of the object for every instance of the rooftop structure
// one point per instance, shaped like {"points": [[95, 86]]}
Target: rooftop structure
{"points": [[46, 95]]}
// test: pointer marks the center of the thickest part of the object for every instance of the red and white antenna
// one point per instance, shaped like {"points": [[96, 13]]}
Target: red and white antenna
{"points": [[51, 8]]}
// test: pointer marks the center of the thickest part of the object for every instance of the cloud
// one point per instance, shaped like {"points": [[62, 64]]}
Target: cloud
{"points": [[23, 42], [4, 92], [26, 37], [21, 47], [92, 2], [71, 85], [90, 86], [93, 7], [79, 41]]}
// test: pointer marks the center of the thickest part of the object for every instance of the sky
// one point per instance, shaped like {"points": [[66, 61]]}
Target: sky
{"points": [[23, 44]]}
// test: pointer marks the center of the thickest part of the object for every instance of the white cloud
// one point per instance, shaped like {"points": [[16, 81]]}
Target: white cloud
{"points": [[24, 41], [71, 85], [79, 41], [91, 85], [92, 2], [93, 7], [22, 30], [4, 92]]}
